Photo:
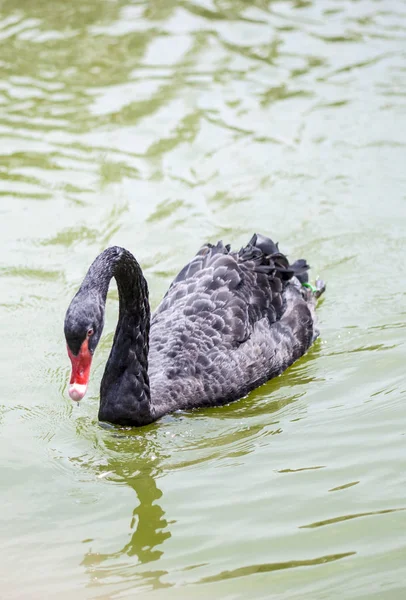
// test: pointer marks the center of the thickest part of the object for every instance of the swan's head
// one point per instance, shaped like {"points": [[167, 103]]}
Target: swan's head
{"points": [[83, 327]]}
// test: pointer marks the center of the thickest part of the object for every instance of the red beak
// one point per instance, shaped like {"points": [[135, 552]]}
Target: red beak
{"points": [[79, 378]]}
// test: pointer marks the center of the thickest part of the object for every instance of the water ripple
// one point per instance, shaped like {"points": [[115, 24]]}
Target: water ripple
{"points": [[266, 568], [350, 517]]}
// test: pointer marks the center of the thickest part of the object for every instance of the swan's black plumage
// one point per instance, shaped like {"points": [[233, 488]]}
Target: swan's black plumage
{"points": [[229, 322]]}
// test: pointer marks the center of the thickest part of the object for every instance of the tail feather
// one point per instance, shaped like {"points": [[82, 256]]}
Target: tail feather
{"points": [[268, 257], [265, 244], [270, 249], [300, 268], [320, 287]]}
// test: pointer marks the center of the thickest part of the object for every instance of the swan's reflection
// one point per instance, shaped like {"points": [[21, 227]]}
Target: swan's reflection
{"points": [[148, 521], [134, 461]]}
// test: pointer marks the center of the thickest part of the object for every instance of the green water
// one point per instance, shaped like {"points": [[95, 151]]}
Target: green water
{"points": [[159, 125]]}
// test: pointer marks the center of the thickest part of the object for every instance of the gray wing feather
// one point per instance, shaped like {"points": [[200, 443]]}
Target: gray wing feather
{"points": [[228, 323]]}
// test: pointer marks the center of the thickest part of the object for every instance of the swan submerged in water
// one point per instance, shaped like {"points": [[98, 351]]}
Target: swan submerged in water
{"points": [[229, 322]]}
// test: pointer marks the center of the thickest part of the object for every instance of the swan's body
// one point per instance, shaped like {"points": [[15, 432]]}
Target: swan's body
{"points": [[229, 322]]}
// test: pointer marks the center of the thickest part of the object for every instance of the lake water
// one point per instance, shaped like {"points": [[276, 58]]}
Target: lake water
{"points": [[160, 125]]}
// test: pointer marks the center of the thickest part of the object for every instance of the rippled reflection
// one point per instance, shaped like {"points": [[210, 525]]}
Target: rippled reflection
{"points": [[135, 463]]}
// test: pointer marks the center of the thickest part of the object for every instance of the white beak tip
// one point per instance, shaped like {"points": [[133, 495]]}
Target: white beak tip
{"points": [[77, 391]]}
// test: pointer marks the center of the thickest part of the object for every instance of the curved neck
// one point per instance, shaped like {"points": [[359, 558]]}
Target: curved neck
{"points": [[124, 391]]}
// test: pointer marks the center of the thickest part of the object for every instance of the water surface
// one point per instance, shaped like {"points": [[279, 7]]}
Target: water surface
{"points": [[160, 125]]}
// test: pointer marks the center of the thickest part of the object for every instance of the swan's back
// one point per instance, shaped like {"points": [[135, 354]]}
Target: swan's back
{"points": [[229, 322]]}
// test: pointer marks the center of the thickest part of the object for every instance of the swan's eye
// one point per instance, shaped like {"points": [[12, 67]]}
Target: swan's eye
{"points": [[90, 332]]}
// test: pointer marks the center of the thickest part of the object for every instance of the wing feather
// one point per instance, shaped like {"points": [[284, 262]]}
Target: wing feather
{"points": [[229, 321], [240, 288]]}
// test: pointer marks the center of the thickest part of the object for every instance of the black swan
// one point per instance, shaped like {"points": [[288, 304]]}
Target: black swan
{"points": [[229, 322]]}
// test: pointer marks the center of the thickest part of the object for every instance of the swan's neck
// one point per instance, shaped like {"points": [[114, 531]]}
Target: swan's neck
{"points": [[124, 391]]}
